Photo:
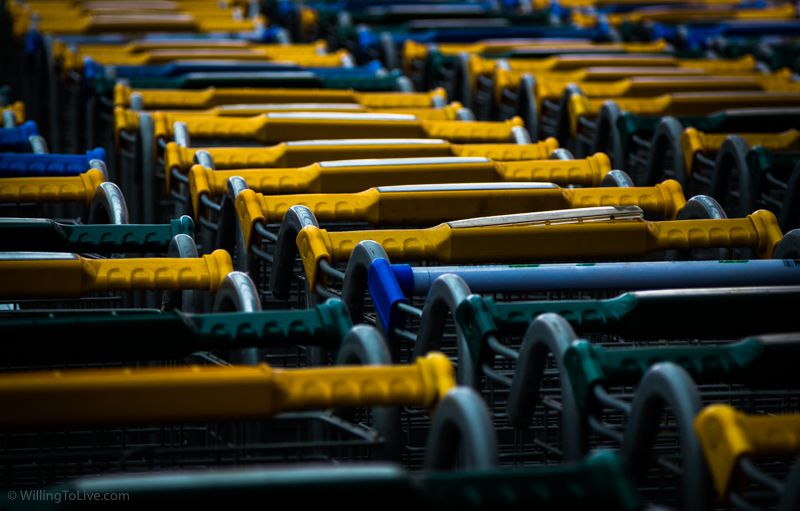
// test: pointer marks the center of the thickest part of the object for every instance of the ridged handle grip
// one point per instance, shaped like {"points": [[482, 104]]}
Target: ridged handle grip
{"points": [[472, 132], [215, 393], [16, 139], [664, 199], [32, 165], [759, 231], [587, 172], [76, 276], [508, 152], [80, 188]]}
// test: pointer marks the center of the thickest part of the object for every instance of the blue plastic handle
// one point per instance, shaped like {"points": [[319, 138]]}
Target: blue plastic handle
{"points": [[30, 165], [16, 139], [597, 276]]}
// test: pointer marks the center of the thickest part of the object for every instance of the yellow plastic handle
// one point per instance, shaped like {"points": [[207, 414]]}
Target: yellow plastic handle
{"points": [[18, 109], [342, 176], [524, 243], [179, 394], [165, 99], [303, 153], [444, 113], [727, 435], [427, 205], [125, 120], [80, 188], [73, 276], [472, 132], [586, 172], [274, 128], [508, 152], [345, 176]]}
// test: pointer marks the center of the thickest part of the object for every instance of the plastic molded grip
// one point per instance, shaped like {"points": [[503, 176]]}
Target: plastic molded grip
{"points": [[30, 165], [467, 132], [165, 99], [67, 275], [431, 204], [51, 236], [274, 128], [587, 172], [727, 435], [461, 242], [16, 139], [80, 188], [139, 334], [508, 152], [303, 153], [215, 393]]}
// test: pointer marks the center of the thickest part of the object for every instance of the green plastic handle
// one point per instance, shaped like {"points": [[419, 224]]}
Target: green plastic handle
{"points": [[49, 236], [64, 337]]}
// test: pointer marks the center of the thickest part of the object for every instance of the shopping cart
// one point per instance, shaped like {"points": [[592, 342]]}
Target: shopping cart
{"points": [[539, 97], [194, 416], [448, 65], [651, 145], [691, 153], [758, 177]]}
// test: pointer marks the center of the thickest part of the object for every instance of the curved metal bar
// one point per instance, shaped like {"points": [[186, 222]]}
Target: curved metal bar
{"points": [[446, 294], [365, 345], [182, 246], [701, 207], [462, 432], [732, 161], [668, 386], [204, 158], [180, 133], [666, 139], [607, 137], [227, 219], [238, 293], [789, 246], [548, 334], [280, 277], [108, 206], [562, 154], [356, 276], [563, 131], [465, 114], [526, 105], [146, 202], [617, 179]]}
